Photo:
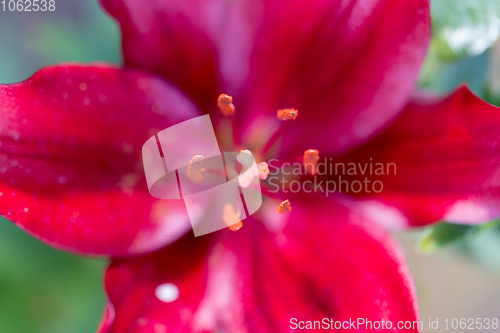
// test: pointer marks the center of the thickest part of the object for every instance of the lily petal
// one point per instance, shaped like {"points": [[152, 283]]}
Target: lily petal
{"points": [[348, 66], [323, 261], [71, 170], [446, 162]]}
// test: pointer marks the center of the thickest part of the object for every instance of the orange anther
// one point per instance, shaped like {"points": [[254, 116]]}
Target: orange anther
{"points": [[284, 207], [231, 217], [225, 104], [287, 114], [263, 170], [195, 169], [311, 157], [235, 227], [252, 169]]}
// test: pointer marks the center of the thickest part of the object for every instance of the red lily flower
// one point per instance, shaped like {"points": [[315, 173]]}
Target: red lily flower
{"points": [[72, 176]]}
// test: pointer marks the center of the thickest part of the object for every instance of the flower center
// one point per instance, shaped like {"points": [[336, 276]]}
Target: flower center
{"points": [[253, 169]]}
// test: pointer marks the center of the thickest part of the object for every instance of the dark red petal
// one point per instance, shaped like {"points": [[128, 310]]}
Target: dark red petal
{"points": [[71, 171], [324, 262], [131, 285], [171, 39], [347, 66], [446, 153]]}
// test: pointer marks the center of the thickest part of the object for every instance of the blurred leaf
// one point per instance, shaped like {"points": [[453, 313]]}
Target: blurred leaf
{"points": [[43, 290], [443, 77], [78, 31], [492, 97], [93, 37], [437, 236], [492, 93], [464, 27], [485, 248]]}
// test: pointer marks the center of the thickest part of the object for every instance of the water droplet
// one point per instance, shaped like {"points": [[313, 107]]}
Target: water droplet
{"points": [[26, 209], [142, 321], [167, 292], [86, 101], [83, 86], [65, 95], [63, 179]]}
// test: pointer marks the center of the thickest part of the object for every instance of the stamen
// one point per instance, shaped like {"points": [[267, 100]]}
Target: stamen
{"points": [[284, 207], [283, 115], [225, 104], [311, 157], [287, 114], [195, 169], [263, 170], [253, 169], [227, 108], [231, 217]]}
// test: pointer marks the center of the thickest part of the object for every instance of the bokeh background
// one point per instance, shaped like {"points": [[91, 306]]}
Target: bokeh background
{"points": [[43, 290], [456, 268]]}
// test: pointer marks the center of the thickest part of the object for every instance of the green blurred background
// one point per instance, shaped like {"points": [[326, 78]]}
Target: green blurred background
{"points": [[43, 290], [457, 268]]}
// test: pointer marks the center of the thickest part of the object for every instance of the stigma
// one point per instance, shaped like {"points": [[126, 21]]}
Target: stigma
{"points": [[311, 158], [225, 104], [231, 218], [287, 114], [284, 207], [195, 169], [252, 169]]}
